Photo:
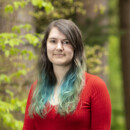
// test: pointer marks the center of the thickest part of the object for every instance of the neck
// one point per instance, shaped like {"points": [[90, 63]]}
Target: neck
{"points": [[60, 72]]}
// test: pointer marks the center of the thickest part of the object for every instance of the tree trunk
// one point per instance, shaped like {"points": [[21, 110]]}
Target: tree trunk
{"points": [[124, 8]]}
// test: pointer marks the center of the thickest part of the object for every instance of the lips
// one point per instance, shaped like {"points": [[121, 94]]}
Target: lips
{"points": [[59, 54]]}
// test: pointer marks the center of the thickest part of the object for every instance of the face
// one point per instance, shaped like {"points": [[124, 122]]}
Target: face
{"points": [[59, 50]]}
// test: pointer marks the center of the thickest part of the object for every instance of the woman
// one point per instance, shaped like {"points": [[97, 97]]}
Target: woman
{"points": [[65, 97]]}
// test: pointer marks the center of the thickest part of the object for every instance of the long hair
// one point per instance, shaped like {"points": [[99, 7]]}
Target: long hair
{"points": [[73, 81]]}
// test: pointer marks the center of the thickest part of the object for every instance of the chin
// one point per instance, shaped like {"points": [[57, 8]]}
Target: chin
{"points": [[61, 64]]}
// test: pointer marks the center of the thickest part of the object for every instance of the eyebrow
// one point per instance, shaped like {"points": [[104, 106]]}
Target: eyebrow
{"points": [[56, 38]]}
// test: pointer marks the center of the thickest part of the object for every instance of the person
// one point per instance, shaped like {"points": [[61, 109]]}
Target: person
{"points": [[65, 97]]}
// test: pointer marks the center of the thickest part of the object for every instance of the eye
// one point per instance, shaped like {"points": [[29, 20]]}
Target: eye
{"points": [[66, 42], [52, 41]]}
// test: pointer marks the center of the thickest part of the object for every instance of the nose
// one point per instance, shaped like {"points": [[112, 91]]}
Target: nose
{"points": [[59, 46]]}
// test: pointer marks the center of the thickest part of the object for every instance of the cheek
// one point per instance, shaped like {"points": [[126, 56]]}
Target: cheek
{"points": [[71, 53], [49, 51], [49, 48]]}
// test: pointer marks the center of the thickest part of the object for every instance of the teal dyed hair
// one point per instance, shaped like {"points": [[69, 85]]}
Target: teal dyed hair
{"points": [[70, 90], [73, 81]]}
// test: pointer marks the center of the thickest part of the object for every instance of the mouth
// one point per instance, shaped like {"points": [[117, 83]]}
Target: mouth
{"points": [[59, 55]]}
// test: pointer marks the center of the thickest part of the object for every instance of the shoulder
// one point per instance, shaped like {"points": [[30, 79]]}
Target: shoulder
{"points": [[95, 90], [93, 79], [94, 84]]}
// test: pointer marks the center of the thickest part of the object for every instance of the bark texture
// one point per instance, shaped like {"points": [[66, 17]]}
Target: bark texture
{"points": [[124, 12]]}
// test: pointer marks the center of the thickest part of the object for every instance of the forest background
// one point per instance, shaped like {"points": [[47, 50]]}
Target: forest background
{"points": [[106, 37]]}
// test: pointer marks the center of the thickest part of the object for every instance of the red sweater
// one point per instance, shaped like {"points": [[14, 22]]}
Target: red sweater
{"points": [[93, 111]]}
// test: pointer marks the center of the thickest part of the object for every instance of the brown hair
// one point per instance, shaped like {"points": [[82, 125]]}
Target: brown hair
{"points": [[73, 34]]}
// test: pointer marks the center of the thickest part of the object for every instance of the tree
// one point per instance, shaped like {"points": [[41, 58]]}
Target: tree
{"points": [[124, 13]]}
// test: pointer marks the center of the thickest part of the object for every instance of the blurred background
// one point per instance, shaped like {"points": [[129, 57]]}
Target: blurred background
{"points": [[105, 25]]}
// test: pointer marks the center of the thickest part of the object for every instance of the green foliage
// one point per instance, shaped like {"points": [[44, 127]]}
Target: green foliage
{"points": [[37, 3], [48, 7], [93, 61], [32, 39], [18, 4], [10, 8], [99, 8], [6, 109], [5, 78], [18, 28], [10, 41], [62, 9], [40, 3], [9, 48], [15, 6]]}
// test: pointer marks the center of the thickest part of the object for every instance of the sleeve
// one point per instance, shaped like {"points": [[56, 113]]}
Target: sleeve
{"points": [[100, 106], [29, 122]]}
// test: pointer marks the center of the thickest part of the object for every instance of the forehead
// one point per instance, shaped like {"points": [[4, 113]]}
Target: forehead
{"points": [[56, 33]]}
